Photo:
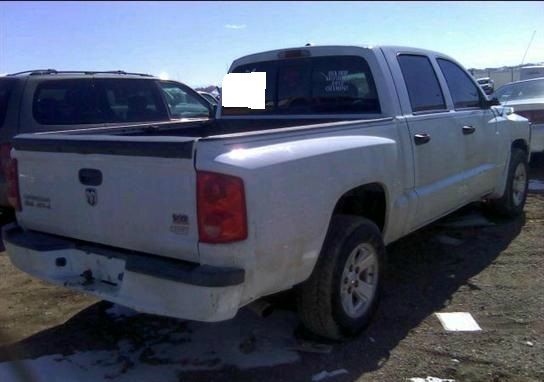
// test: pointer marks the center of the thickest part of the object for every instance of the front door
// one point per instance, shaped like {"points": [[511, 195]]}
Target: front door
{"points": [[477, 124]]}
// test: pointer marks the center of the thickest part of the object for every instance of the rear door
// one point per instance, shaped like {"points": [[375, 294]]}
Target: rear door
{"points": [[136, 193], [130, 100], [437, 142], [477, 123]]}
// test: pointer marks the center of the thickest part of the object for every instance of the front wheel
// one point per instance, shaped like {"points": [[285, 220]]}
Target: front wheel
{"points": [[341, 295], [513, 200]]}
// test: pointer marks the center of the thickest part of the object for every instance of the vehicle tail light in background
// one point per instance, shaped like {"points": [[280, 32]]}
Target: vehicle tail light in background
{"points": [[9, 169], [534, 116], [221, 208]]}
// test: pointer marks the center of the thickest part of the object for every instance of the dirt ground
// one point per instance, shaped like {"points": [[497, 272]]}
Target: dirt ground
{"points": [[494, 271]]}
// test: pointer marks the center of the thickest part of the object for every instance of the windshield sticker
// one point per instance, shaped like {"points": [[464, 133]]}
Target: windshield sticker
{"points": [[336, 81]]}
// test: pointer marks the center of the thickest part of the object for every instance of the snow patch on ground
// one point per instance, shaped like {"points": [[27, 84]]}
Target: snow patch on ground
{"points": [[246, 341]]}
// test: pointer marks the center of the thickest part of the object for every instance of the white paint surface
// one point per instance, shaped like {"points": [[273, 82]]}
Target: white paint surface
{"points": [[458, 322], [243, 90]]}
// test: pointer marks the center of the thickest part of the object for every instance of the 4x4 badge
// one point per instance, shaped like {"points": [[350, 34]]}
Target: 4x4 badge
{"points": [[92, 197]]}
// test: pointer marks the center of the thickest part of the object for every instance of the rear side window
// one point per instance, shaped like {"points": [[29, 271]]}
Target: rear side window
{"points": [[131, 100], [6, 86], [463, 91], [320, 85], [422, 84], [66, 102]]}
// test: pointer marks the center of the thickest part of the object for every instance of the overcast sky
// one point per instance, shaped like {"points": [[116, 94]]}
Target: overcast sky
{"points": [[196, 42]]}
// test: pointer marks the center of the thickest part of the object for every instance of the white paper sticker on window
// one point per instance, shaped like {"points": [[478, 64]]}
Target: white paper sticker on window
{"points": [[336, 81], [243, 90]]}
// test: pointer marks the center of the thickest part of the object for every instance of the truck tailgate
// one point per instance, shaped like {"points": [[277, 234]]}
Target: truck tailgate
{"points": [[137, 193]]}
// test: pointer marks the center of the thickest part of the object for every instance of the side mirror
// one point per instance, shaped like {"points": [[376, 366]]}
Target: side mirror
{"points": [[493, 102]]}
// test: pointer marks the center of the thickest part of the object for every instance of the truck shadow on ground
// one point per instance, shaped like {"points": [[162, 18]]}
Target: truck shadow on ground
{"points": [[425, 269]]}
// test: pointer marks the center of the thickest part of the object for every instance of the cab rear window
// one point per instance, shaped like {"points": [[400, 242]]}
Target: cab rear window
{"points": [[315, 85]]}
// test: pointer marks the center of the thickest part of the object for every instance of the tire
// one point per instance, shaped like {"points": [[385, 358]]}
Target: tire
{"points": [[324, 299], [512, 202]]}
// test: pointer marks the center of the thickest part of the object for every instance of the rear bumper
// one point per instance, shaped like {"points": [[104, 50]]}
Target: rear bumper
{"points": [[537, 138], [146, 283]]}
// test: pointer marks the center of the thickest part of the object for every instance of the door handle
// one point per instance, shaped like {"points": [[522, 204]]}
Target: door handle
{"points": [[468, 130], [422, 138]]}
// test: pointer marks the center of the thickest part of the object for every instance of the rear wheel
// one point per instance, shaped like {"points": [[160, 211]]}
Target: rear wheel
{"points": [[341, 295], [513, 200]]}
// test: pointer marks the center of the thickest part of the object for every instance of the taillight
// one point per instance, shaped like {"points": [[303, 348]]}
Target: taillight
{"points": [[9, 168], [221, 208]]}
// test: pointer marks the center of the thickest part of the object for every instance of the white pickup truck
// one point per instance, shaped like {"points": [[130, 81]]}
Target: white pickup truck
{"points": [[357, 147]]}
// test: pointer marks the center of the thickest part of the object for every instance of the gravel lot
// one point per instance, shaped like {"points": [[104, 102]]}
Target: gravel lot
{"points": [[493, 270]]}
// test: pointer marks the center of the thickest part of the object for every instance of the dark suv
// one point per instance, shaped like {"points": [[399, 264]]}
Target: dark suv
{"points": [[50, 100]]}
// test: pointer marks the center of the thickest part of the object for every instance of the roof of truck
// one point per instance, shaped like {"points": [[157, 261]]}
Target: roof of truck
{"points": [[324, 49]]}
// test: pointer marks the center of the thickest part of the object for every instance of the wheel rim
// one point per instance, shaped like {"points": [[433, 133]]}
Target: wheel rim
{"points": [[519, 185], [359, 280]]}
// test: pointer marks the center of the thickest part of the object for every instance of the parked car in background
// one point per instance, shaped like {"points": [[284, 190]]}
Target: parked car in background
{"points": [[529, 72], [356, 148], [486, 84], [50, 100], [527, 99], [209, 97]]}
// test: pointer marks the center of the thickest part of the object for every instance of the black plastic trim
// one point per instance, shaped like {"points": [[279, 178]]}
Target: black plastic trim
{"points": [[130, 148], [157, 266]]}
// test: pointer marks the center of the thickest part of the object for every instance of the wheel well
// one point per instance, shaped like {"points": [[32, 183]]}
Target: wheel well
{"points": [[367, 201], [520, 144]]}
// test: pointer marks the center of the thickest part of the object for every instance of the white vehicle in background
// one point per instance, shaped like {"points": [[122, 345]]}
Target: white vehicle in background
{"points": [[528, 72], [356, 148], [527, 99]]}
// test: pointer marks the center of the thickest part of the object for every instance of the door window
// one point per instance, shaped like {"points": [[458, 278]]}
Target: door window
{"points": [[131, 100], [463, 90], [421, 82]]}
